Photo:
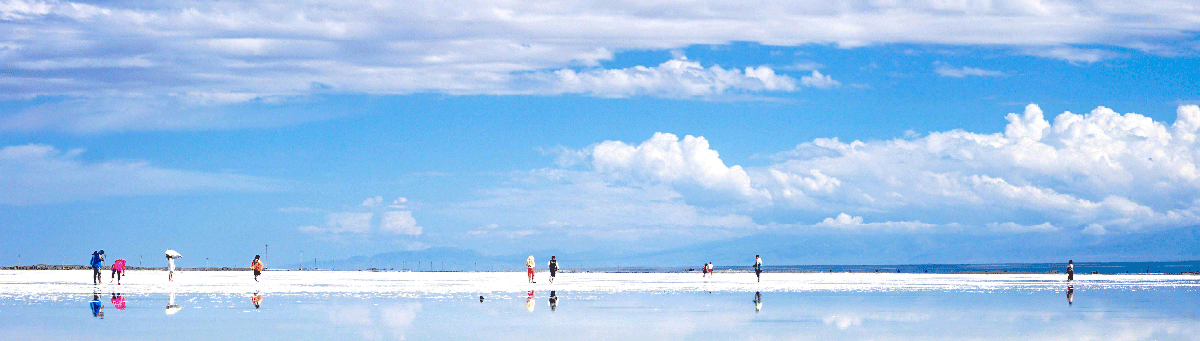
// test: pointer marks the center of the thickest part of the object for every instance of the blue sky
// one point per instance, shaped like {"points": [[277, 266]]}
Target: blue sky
{"points": [[355, 128]]}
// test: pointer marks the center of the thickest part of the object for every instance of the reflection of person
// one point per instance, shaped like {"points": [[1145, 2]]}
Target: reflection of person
{"points": [[97, 263], [172, 308], [1070, 270], [758, 267], [553, 301], [118, 269], [1070, 295], [118, 301], [256, 299], [757, 301], [257, 266], [529, 301], [553, 268], [97, 307], [529, 264]]}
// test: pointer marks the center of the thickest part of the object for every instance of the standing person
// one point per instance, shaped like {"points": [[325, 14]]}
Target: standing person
{"points": [[529, 264], [257, 266], [97, 263], [758, 268], [171, 257], [1070, 270], [118, 269], [704, 270], [553, 268], [710, 269]]}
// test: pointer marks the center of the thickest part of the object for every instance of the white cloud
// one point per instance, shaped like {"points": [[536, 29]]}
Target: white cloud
{"points": [[849, 222], [362, 223], [206, 54], [400, 222], [1072, 54], [675, 78], [37, 173], [687, 162], [948, 71], [1104, 170], [818, 80]]}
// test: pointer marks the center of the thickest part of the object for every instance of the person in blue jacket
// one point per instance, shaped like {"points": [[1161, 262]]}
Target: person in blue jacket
{"points": [[97, 263]]}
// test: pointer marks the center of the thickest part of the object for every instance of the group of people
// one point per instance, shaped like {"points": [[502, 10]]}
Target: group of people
{"points": [[97, 262], [530, 264], [118, 267], [707, 269]]}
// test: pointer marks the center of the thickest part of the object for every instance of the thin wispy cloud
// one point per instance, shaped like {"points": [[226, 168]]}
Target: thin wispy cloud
{"points": [[965, 71]]}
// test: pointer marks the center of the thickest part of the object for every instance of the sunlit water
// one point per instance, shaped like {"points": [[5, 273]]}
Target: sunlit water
{"points": [[1158, 313]]}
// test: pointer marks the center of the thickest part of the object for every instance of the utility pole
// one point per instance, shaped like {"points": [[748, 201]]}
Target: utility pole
{"points": [[266, 251], [301, 259]]}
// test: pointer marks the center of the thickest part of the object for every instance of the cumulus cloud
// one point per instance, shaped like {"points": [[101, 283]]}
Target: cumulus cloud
{"points": [[1073, 54], [400, 222], [1100, 172], [818, 80], [38, 173], [665, 158]]}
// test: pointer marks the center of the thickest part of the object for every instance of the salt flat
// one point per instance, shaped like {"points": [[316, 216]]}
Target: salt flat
{"points": [[34, 282]]}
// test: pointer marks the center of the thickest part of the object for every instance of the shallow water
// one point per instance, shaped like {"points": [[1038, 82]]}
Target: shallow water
{"points": [[1158, 313]]}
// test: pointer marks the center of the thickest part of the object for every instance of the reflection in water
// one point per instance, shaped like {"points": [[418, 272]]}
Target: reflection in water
{"points": [[172, 308], [256, 298], [97, 307], [757, 301], [529, 301], [118, 301], [553, 300], [1070, 295]]}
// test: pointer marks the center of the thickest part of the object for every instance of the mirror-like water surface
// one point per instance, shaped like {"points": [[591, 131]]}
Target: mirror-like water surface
{"points": [[1076, 313]]}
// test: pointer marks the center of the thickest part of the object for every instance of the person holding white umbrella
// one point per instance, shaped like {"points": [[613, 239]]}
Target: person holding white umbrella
{"points": [[171, 257]]}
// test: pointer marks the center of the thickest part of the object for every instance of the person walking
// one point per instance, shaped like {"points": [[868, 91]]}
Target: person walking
{"points": [[710, 269], [257, 266], [118, 270], [97, 263], [1070, 270], [529, 264], [758, 268], [553, 268], [171, 257]]}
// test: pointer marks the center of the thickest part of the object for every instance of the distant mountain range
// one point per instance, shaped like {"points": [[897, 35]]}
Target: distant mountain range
{"points": [[793, 249]]}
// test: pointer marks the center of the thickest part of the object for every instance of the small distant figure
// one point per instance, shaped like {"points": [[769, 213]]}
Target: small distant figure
{"points": [[553, 299], [480, 298], [704, 270], [118, 301], [97, 263], [710, 269], [171, 257], [758, 268], [1070, 270], [553, 269], [529, 264], [529, 301], [256, 298], [757, 301], [97, 307], [118, 269], [1070, 295], [257, 266]]}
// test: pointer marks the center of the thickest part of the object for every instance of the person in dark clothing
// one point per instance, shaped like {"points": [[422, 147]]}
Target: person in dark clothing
{"points": [[553, 268], [1070, 270], [553, 300], [758, 268], [97, 263]]}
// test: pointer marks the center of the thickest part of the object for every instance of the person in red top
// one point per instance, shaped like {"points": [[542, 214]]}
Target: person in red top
{"points": [[257, 266], [118, 269]]}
